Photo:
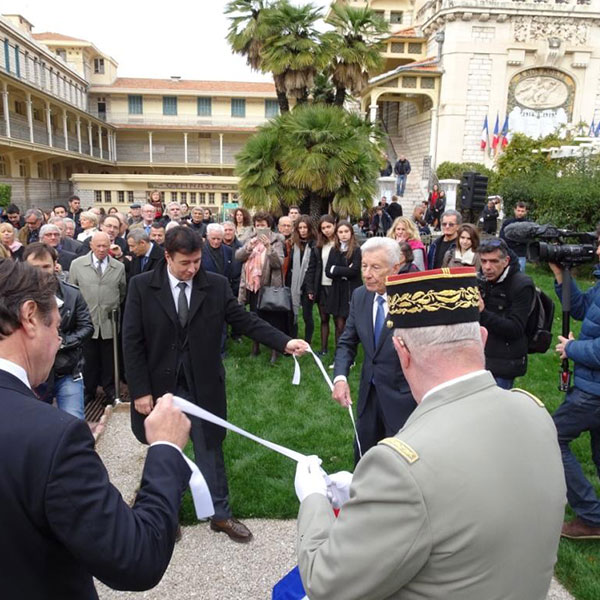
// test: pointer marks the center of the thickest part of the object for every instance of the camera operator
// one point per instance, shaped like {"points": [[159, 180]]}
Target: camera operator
{"points": [[580, 410], [504, 305]]}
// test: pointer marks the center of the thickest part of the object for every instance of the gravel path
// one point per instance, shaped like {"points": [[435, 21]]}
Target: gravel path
{"points": [[206, 565]]}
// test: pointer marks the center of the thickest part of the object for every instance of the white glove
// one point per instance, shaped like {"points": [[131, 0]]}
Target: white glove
{"points": [[338, 490], [310, 478]]}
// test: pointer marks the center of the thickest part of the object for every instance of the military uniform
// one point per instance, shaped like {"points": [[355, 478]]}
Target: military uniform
{"points": [[466, 502]]}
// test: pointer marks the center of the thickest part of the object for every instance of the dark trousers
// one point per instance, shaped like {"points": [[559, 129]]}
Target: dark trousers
{"points": [[99, 368], [371, 425], [307, 315], [580, 412], [210, 461]]}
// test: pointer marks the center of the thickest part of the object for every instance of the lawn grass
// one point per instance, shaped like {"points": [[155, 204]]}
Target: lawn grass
{"points": [[262, 399]]}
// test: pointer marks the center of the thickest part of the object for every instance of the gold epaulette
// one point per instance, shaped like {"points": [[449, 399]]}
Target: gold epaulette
{"points": [[534, 398], [402, 448]]}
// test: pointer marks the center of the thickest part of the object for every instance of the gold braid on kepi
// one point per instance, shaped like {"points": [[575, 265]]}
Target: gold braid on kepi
{"points": [[436, 297]]}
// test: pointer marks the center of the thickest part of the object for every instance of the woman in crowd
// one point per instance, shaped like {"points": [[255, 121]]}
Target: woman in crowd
{"points": [[113, 210], [431, 202], [404, 230], [243, 224], [9, 245], [316, 282], [407, 258], [302, 243], [156, 201], [88, 222], [207, 214], [464, 254], [262, 258], [343, 267]]}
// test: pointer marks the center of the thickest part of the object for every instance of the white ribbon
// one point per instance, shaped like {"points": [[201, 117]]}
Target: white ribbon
{"points": [[296, 381], [200, 493], [196, 411]]}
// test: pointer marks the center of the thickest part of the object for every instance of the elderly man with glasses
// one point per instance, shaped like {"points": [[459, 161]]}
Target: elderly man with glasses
{"points": [[30, 233], [451, 219]]}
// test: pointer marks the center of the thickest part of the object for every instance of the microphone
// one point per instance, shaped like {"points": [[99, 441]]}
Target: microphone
{"points": [[521, 232]]}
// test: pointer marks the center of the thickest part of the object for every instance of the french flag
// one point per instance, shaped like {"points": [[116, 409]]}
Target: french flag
{"points": [[496, 138], [485, 134], [597, 132], [504, 133], [592, 130]]}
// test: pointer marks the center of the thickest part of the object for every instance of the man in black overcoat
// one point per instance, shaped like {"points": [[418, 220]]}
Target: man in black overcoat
{"points": [[172, 330]]}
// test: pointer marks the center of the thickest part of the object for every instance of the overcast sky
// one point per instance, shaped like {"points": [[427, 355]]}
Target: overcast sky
{"points": [[185, 38]]}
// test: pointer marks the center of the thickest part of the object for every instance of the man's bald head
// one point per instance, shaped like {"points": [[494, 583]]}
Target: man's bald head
{"points": [[100, 245]]}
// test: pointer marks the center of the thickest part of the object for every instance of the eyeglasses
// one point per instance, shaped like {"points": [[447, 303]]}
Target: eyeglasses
{"points": [[449, 224]]}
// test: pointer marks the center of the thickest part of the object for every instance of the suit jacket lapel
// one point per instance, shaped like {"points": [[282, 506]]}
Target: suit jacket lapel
{"points": [[199, 285], [160, 283], [368, 315]]}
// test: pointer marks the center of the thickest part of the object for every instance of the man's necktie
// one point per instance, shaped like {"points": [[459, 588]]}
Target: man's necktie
{"points": [[144, 262], [379, 320], [99, 268], [182, 304]]}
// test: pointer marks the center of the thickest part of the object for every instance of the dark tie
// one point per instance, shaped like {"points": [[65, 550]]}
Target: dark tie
{"points": [[144, 262], [379, 320], [182, 304], [99, 268]]}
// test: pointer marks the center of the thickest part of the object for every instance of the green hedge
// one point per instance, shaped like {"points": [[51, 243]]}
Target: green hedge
{"points": [[454, 170], [5, 191]]}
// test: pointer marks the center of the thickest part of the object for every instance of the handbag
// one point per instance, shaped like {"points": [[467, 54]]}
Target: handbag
{"points": [[274, 299]]}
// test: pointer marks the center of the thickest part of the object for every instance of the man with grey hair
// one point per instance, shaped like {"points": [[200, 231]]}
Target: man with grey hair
{"points": [[450, 221], [467, 500], [146, 254], [31, 231], [384, 398], [148, 213], [66, 242], [173, 211], [216, 257], [50, 234]]}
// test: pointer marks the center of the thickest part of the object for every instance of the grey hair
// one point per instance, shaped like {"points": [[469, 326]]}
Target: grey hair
{"points": [[453, 213], [439, 335], [391, 248], [229, 223], [216, 227], [138, 235], [47, 228], [34, 212], [90, 216], [55, 220]]}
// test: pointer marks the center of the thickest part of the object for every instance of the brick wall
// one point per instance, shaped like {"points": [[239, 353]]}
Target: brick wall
{"points": [[39, 193], [479, 81]]}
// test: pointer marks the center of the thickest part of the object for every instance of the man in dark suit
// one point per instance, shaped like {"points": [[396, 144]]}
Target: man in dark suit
{"points": [[172, 331], [216, 258], [384, 398], [50, 234], [62, 521], [146, 254]]}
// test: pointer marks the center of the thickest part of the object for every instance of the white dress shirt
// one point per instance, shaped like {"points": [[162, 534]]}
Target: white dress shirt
{"points": [[103, 264], [14, 369], [175, 291]]}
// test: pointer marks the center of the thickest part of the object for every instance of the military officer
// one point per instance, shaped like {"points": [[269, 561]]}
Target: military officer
{"points": [[467, 500]]}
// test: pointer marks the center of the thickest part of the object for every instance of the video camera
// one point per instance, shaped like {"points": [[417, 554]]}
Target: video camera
{"points": [[547, 243]]}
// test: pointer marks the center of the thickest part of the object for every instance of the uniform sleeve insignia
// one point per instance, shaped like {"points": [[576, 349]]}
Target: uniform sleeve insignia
{"points": [[402, 448], [534, 398]]}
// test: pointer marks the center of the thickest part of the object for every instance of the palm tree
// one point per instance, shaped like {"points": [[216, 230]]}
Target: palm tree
{"points": [[293, 49], [245, 32], [357, 41], [316, 152]]}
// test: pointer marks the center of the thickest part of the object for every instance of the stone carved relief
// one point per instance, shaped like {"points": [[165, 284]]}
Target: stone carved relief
{"points": [[540, 28], [541, 92]]}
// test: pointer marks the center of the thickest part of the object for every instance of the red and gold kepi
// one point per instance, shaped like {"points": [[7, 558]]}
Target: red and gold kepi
{"points": [[436, 297]]}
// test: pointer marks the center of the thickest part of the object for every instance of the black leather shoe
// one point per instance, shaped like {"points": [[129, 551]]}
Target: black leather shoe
{"points": [[236, 530]]}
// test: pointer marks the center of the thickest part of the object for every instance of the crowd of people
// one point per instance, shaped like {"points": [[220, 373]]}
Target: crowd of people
{"points": [[165, 288]]}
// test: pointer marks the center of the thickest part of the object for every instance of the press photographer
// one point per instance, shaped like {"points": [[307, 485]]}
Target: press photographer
{"points": [[580, 410]]}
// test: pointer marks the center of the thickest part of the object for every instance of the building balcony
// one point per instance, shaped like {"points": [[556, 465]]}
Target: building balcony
{"points": [[157, 120]]}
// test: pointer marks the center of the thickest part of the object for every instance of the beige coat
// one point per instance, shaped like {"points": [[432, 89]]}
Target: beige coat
{"points": [[271, 271], [466, 502], [102, 294]]}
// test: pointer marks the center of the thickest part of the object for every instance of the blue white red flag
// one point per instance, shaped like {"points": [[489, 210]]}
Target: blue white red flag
{"points": [[289, 587], [496, 139], [597, 132], [485, 134], [504, 133], [592, 129]]}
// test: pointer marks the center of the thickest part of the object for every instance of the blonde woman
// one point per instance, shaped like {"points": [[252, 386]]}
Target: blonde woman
{"points": [[404, 230], [10, 247], [89, 223]]}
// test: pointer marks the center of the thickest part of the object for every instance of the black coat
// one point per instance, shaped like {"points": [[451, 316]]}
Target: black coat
{"points": [[236, 267], [75, 327], [507, 306], [209, 264], [314, 273], [156, 255], [150, 347], [394, 209], [65, 258], [346, 278], [62, 521], [74, 246]]}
